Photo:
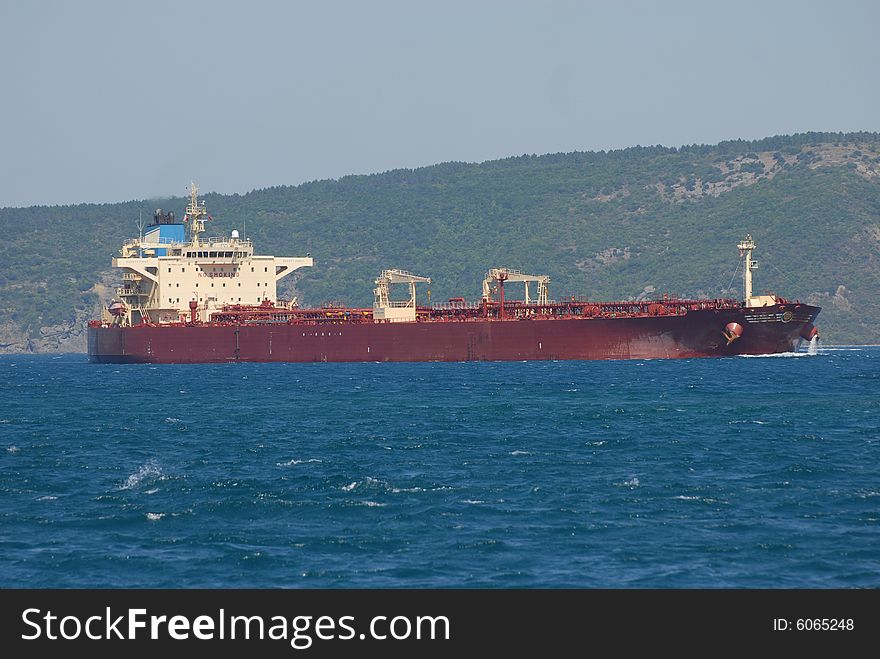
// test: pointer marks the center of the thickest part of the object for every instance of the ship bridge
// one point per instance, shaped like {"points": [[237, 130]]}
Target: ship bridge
{"points": [[164, 272]]}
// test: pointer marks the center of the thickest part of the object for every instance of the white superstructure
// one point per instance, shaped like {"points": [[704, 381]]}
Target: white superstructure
{"points": [[163, 271]]}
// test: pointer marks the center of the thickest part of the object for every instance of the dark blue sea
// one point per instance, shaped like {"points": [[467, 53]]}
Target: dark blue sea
{"points": [[712, 473]]}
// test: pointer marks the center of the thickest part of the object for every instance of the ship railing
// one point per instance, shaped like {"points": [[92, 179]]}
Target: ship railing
{"points": [[575, 306], [226, 240], [128, 291], [444, 306], [160, 241]]}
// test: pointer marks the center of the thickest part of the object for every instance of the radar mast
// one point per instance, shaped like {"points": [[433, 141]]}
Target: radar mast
{"points": [[195, 213]]}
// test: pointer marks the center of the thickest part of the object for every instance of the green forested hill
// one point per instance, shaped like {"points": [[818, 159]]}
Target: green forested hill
{"points": [[609, 225]]}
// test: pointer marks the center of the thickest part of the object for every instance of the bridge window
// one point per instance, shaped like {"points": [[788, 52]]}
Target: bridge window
{"points": [[212, 255]]}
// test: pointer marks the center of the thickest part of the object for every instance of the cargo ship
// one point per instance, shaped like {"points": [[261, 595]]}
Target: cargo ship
{"points": [[189, 299]]}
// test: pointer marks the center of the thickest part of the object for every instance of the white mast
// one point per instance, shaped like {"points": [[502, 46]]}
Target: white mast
{"points": [[195, 213], [745, 250]]}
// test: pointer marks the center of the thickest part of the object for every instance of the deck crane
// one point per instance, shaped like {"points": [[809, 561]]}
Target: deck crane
{"points": [[392, 311], [508, 274]]}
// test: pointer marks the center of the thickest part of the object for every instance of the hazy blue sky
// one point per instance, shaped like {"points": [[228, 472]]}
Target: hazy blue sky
{"points": [[112, 101]]}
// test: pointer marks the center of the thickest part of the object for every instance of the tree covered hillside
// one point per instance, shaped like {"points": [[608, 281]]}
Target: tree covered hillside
{"points": [[624, 224]]}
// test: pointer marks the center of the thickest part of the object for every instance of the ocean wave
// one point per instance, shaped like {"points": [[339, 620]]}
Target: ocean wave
{"points": [[368, 483], [293, 462], [155, 517], [376, 484], [147, 472]]}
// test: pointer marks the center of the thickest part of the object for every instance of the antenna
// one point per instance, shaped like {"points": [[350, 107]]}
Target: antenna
{"points": [[195, 213], [140, 224]]}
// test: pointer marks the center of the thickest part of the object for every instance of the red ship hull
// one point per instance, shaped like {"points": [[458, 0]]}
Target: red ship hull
{"points": [[701, 333]]}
